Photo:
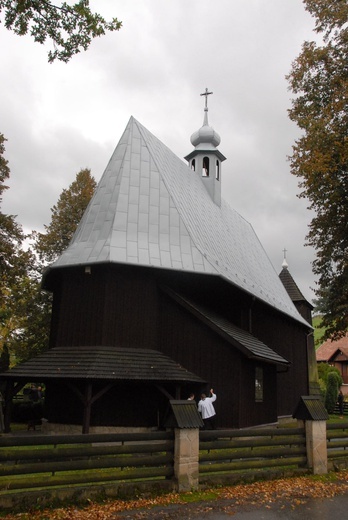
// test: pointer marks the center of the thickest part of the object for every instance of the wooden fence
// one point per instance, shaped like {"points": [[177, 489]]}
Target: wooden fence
{"points": [[46, 461], [245, 454], [83, 467], [337, 445]]}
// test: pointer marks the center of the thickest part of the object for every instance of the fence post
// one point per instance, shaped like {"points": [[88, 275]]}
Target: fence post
{"points": [[312, 410], [186, 459], [316, 446], [184, 418]]}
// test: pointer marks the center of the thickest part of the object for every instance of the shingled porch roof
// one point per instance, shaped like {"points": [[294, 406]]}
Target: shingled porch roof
{"points": [[102, 362]]}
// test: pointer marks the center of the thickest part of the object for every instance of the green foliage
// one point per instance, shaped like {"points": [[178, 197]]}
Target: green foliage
{"points": [[15, 264], [66, 216], [25, 310], [70, 27], [319, 330], [34, 305], [319, 80], [332, 388], [33, 308], [324, 369]]}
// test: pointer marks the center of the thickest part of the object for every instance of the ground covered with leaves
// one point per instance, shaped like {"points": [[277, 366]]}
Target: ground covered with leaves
{"points": [[283, 493]]}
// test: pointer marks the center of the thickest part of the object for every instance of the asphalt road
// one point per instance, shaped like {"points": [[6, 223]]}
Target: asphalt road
{"points": [[310, 509]]}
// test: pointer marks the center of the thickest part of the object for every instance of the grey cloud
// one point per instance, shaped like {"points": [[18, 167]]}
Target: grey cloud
{"points": [[59, 118]]}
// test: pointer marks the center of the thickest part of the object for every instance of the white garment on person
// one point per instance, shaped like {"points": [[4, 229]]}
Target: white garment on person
{"points": [[206, 408]]}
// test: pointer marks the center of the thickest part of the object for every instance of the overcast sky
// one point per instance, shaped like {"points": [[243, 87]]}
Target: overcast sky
{"points": [[60, 118]]}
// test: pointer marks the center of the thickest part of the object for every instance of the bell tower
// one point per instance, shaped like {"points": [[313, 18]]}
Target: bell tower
{"points": [[205, 160]]}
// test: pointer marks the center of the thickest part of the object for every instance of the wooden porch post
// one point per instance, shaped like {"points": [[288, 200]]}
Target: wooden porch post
{"points": [[9, 391], [87, 408]]}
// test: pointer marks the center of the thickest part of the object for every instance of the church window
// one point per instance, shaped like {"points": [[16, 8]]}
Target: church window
{"points": [[193, 165], [217, 171], [259, 384], [205, 170]]}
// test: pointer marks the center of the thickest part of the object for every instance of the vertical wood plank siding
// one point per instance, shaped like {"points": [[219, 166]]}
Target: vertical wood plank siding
{"points": [[125, 307]]}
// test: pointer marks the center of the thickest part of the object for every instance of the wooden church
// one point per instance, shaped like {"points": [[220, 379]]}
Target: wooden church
{"points": [[165, 290]]}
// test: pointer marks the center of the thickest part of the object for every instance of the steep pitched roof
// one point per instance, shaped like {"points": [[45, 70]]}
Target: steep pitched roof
{"points": [[151, 209], [102, 362], [291, 286], [328, 349]]}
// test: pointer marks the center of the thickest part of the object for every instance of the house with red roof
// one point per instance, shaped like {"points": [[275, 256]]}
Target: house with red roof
{"points": [[335, 353]]}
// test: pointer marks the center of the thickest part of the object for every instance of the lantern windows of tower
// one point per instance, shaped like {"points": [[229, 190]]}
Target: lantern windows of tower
{"points": [[205, 169]]}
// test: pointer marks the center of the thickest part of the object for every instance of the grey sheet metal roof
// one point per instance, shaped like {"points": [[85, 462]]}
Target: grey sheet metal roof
{"points": [[151, 209], [248, 344], [102, 362]]}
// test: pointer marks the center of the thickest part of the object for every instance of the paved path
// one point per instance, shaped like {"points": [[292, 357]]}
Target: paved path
{"points": [[310, 509]]}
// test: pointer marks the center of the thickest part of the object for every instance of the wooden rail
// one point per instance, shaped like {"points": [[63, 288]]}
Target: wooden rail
{"points": [[44, 461], [250, 451], [337, 441]]}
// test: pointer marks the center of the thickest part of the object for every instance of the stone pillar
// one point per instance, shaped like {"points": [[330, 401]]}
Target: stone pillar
{"points": [[316, 446], [186, 459]]}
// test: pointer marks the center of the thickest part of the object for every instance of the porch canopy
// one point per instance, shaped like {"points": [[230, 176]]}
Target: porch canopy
{"points": [[110, 364]]}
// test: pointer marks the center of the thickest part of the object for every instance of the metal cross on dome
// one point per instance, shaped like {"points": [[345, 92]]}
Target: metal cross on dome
{"points": [[206, 94]]}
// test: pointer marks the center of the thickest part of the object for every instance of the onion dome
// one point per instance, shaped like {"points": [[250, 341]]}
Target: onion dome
{"points": [[205, 137]]}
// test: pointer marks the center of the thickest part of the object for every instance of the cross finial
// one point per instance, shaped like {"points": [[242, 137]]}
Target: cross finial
{"points": [[285, 251], [206, 94]]}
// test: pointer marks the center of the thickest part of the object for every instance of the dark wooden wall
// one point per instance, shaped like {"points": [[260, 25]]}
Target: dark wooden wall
{"points": [[232, 376], [288, 339], [126, 307], [107, 307]]}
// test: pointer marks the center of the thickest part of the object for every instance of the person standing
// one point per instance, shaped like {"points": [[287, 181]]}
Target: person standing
{"points": [[207, 410]]}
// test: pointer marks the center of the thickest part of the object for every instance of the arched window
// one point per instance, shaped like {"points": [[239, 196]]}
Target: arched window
{"points": [[205, 169], [193, 165], [217, 171]]}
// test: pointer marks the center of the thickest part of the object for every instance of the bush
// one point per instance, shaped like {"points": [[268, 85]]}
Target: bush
{"points": [[332, 387], [324, 369]]}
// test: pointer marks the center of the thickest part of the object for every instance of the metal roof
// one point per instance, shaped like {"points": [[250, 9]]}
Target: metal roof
{"points": [[151, 209], [99, 362], [248, 344], [311, 408], [183, 414]]}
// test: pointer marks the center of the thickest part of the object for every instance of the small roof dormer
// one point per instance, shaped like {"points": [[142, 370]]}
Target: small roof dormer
{"points": [[206, 159]]}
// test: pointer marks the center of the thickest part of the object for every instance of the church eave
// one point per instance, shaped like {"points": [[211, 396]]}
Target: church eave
{"points": [[205, 150]]}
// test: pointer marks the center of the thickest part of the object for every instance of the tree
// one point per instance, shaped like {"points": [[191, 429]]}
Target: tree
{"points": [[71, 28], [66, 215], [16, 265], [331, 392], [25, 310], [33, 305], [324, 369], [14, 261], [319, 80]]}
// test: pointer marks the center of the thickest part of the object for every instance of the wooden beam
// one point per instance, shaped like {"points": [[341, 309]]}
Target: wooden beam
{"points": [[164, 391], [87, 408]]}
